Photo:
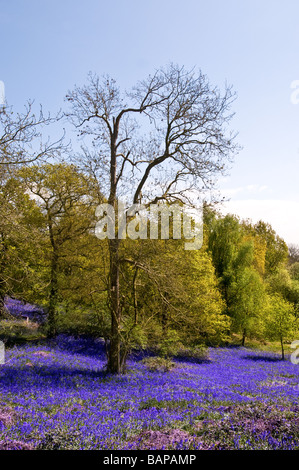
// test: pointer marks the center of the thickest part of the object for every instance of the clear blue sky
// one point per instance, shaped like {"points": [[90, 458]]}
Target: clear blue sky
{"points": [[49, 46]]}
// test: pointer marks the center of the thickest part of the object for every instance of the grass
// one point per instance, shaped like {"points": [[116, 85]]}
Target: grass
{"points": [[260, 345]]}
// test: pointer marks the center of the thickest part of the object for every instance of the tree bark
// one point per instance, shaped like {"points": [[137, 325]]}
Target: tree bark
{"points": [[164, 314], [244, 337], [3, 312], [114, 363], [135, 295], [53, 296], [282, 348], [53, 282]]}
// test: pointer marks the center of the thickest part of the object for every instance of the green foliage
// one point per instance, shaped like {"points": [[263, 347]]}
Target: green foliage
{"points": [[247, 303], [20, 238], [294, 271], [80, 320], [224, 238], [251, 260], [66, 198], [281, 282], [281, 321], [276, 248], [171, 300], [198, 353], [169, 344]]}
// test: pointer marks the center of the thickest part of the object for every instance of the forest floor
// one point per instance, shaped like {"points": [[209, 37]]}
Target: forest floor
{"points": [[57, 395]]}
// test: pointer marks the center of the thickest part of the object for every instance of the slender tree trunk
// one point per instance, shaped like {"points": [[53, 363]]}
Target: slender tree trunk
{"points": [[53, 296], [53, 282], [3, 310], [3, 313], [114, 363], [244, 337], [164, 314], [135, 295], [282, 348]]}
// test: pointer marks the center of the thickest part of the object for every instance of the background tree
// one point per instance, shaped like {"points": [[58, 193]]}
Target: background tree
{"points": [[276, 248], [172, 300], [259, 246], [67, 200], [281, 322], [20, 242], [247, 294], [285, 283], [21, 143], [224, 238], [293, 253], [21, 137], [239, 257]]}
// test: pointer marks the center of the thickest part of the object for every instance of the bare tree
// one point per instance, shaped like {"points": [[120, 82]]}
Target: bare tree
{"points": [[21, 137], [293, 253], [166, 136]]}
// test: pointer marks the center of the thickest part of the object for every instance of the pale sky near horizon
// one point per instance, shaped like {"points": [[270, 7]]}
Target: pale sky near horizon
{"points": [[49, 46]]}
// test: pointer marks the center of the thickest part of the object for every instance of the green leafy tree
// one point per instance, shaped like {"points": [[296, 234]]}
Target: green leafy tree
{"points": [[294, 271], [20, 242], [284, 282], [21, 143], [239, 255], [247, 293], [223, 242], [174, 296], [276, 249], [281, 321], [67, 201]]}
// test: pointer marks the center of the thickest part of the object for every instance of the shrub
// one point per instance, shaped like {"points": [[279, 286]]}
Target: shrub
{"points": [[16, 331], [158, 364], [80, 321], [195, 354]]}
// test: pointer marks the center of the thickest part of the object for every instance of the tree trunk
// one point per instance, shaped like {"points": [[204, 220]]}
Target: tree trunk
{"points": [[53, 296], [135, 296], [282, 348], [164, 312], [114, 362], [53, 281], [244, 337], [3, 312]]}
